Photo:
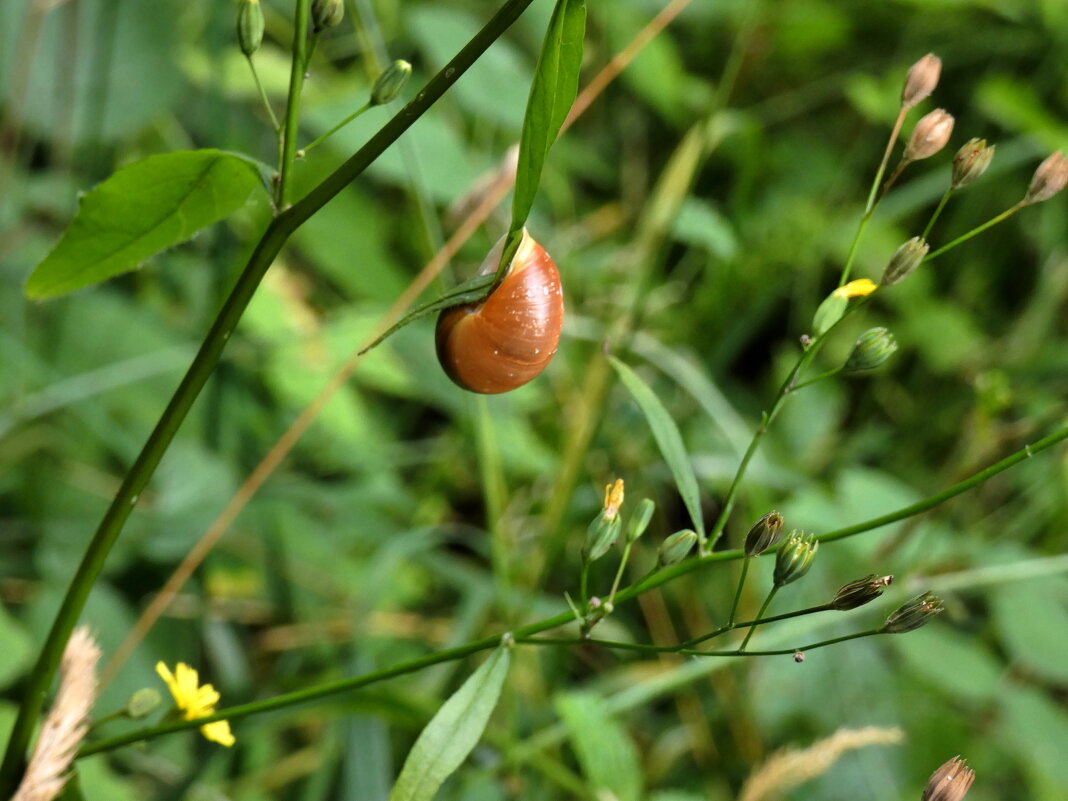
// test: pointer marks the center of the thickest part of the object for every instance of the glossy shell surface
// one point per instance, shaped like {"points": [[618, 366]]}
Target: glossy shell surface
{"points": [[509, 338]]}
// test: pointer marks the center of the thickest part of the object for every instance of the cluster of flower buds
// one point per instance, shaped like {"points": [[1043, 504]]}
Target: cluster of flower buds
{"points": [[950, 782], [859, 592], [913, 614], [794, 558]]}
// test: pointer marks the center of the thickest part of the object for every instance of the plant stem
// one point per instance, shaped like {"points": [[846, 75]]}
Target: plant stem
{"points": [[291, 124], [748, 623], [263, 95], [274, 237], [651, 581], [760, 615], [977, 230], [337, 127], [937, 211], [584, 597], [738, 592], [829, 374], [619, 572]]}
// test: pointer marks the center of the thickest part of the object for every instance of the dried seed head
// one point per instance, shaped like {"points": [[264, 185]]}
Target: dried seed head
{"points": [[794, 558], [950, 782], [859, 592], [1048, 180], [677, 547], [930, 135], [905, 259], [871, 349], [971, 161], [921, 80], [913, 614], [764, 533]]}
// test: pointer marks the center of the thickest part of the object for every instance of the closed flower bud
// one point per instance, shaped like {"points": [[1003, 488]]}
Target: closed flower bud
{"points": [[600, 535], [871, 349], [677, 547], [640, 521], [794, 558], [930, 135], [764, 533], [142, 703], [914, 614], [950, 782], [327, 14], [859, 592], [390, 82], [921, 80], [905, 259], [1048, 180], [971, 161], [249, 26]]}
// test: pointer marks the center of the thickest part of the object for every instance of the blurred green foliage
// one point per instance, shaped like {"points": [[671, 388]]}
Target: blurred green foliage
{"points": [[372, 543]]}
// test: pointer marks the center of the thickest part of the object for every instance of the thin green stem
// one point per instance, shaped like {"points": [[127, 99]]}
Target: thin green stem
{"points": [[291, 124], [937, 211], [760, 615], [738, 592], [312, 42], [274, 237], [619, 572], [584, 596], [977, 230], [263, 95], [525, 633], [337, 127], [750, 623], [822, 376]]}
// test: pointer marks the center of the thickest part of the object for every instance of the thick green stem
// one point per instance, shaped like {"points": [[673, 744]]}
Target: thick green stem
{"points": [[276, 234], [291, 123], [760, 615], [976, 231], [647, 583]]}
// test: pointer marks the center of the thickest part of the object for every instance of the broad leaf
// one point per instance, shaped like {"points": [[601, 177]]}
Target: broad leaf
{"points": [[141, 210], [454, 731], [668, 440], [551, 95]]}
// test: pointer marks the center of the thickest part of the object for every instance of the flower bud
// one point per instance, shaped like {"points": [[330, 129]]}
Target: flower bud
{"points": [[1048, 180], [871, 349], [600, 536], [764, 533], [930, 135], [326, 14], [859, 592], [970, 162], [794, 558], [950, 782], [921, 80], [640, 520], [913, 614], [142, 703], [905, 259], [677, 547], [390, 82], [249, 26]]}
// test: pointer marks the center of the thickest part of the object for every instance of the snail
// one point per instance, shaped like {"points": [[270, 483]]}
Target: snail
{"points": [[507, 339]]}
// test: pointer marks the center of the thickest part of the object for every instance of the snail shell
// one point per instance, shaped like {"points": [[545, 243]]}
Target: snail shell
{"points": [[507, 339]]}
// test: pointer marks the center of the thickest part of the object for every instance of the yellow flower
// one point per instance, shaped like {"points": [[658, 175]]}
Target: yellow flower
{"points": [[613, 499], [195, 701], [856, 289]]}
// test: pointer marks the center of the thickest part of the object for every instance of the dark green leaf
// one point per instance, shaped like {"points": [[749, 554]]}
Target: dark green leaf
{"points": [[551, 95], [668, 440], [454, 731], [141, 210]]}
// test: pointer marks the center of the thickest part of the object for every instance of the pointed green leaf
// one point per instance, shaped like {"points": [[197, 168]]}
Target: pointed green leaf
{"points": [[454, 731], [141, 210], [668, 439], [551, 95]]}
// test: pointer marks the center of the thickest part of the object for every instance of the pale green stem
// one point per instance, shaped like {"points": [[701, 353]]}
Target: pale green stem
{"points": [[291, 125], [977, 230], [263, 95], [937, 211], [738, 592], [822, 376], [760, 615], [619, 572], [338, 127]]}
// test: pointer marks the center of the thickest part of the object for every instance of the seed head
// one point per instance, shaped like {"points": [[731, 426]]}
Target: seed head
{"points": [[1048, 180], [764, 533], [859, 592], [913, 614], [905, 259], [971, 161], [930, 135], [921, 80], [950, 782]]}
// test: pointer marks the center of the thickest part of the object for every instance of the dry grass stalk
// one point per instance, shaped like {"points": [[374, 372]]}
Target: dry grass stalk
{"points": [[791, 766], [66, 724]]}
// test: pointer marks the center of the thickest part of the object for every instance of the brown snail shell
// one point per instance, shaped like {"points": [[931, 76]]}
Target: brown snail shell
{"points": [[507, 339]]}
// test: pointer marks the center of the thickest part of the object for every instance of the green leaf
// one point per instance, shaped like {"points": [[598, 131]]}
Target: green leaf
{"points": [[454, 731], [604, 750], [141, 210], [668, 440], [551, 95]]}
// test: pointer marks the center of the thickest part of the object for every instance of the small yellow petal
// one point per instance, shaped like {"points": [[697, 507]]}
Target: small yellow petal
{"points": [[856, 289], [218, 732], [613, 498]]}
